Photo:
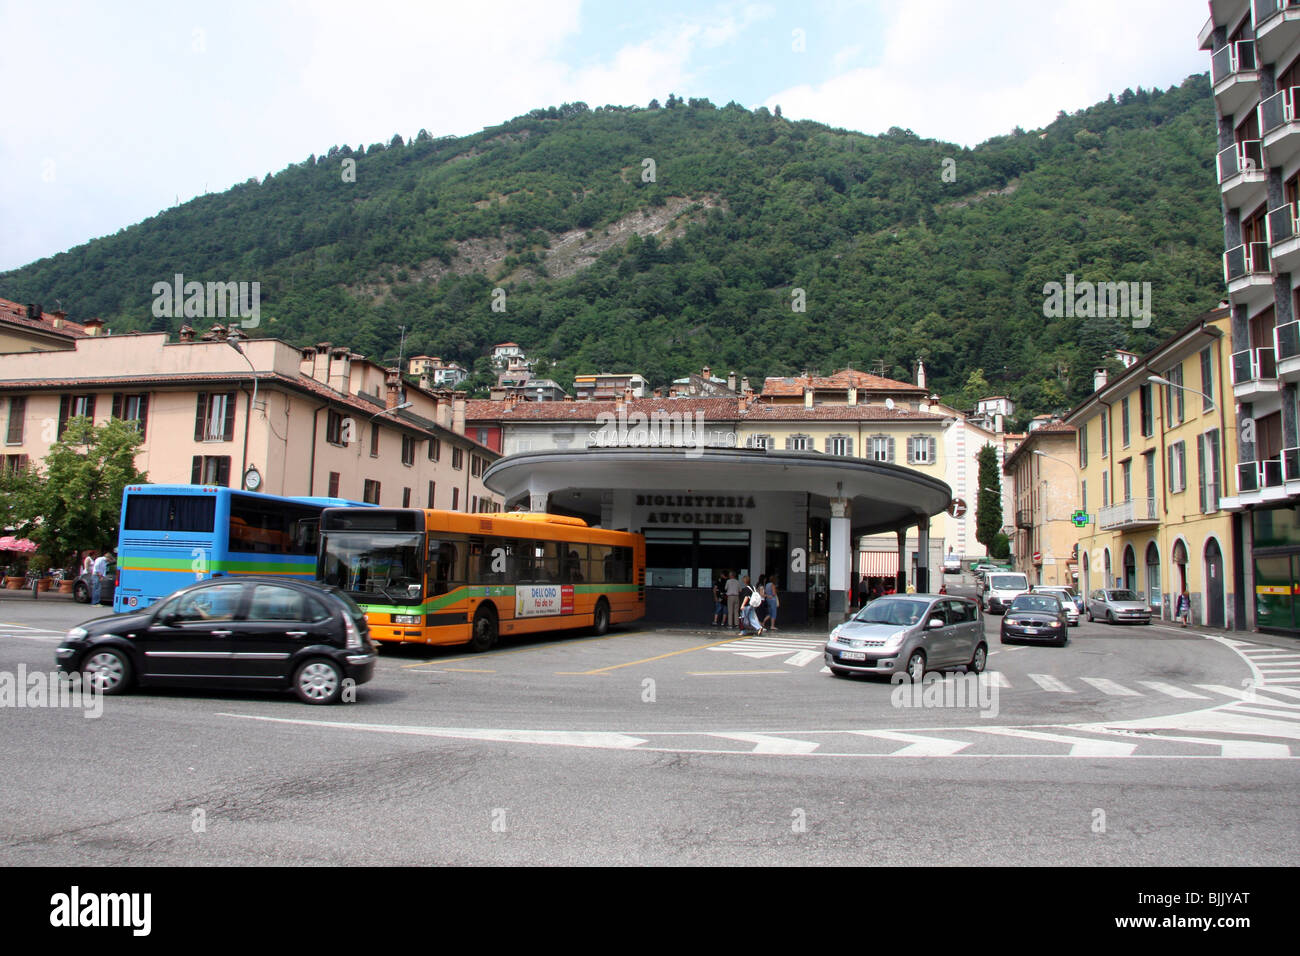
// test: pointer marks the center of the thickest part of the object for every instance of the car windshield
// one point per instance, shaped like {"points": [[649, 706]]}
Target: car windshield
{"points": [[1008, 582], [898, 611], [1123, 596], [1037, 602]]}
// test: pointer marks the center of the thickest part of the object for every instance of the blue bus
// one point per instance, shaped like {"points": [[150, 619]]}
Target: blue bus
{"points": [[173, 535]]}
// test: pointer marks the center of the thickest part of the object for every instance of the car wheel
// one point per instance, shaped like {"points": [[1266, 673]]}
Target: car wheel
{"points": [[318, 681], [978, 660], [1110, 618], [1090, 617], [81, 593], [600, 618], [916, 666], [108, 670], [485, 631]]}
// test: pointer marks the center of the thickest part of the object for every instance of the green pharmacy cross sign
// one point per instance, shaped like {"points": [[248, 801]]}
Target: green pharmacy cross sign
{"points": [[1080, 519]]}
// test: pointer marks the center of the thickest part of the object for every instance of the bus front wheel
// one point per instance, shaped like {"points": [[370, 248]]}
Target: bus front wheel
{"points": [[600, 617], [485, 631]]}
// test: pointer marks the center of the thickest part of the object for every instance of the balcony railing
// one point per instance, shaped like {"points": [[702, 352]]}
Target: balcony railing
{"points": [[1247, 477], [1264, 9], [1230, 59], [1254, 476], [1024, 518], [1277, 110], [1291, 464], [1286, 339], [1246, 156], [1253, 365], [1135, 511], [1244, 261]]}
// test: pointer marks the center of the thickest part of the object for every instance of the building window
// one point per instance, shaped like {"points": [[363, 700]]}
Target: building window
{"points": [[455, 499], [432, 488], [334, 428], [920, 450], [1146, 411], [1176, 466], [1123, 419], [457, 460], [523, 444], [214, 417], [406, 497], [1174, 410], [881, 448], [408, 451], [761, 442], [1105, 489], [798, 443], [374, 441], [435, 449], [1126, 472], [132, 408], [839, 445], [1083, 495], [17, 419], [210, 470], [1207, 464], [475, 466], [72, 406], [1105, 433], [370, 492], [1207, 379], [15, 463], [334, 485], [473, 504], [1083, 446]]}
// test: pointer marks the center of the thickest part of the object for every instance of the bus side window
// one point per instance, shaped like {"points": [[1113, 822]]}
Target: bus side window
{"points": [[445, 570], [574, 562]]}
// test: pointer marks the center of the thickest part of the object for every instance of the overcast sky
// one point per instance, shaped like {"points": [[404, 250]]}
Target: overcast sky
{"points": [[114, 111]]}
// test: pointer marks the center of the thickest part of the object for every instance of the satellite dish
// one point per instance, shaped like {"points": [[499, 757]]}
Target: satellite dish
{"points": [[889, 403]]}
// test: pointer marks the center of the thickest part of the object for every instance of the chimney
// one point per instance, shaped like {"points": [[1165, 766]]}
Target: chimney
{"points": [[31, 311], [94, 326], [807, 397], [393, 381], [659, 393], [744, 385], [321, 365], [426, 382], [218, 332], [59, 318], [731, 381], [997, 423], [187, 333], [442, 414], [706, 373], [618, 399], [627, 394], [458, 412], [1098, 379], [920, 373], [340, 367]]}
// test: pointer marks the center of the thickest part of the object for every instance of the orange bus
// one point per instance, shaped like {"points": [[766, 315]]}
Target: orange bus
{"points": [[445, 577]]}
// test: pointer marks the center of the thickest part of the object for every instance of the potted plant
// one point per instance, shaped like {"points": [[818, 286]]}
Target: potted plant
{"points": [[40, 564], [14, 576], [68, 580]]}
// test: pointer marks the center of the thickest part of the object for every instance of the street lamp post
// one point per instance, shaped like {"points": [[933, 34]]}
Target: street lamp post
{"points": [[232, 339], [1157, 380]]}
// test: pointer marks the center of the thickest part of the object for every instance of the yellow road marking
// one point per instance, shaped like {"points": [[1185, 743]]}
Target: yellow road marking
{"points": [[468, 670], [519, 650], [724, 673], [647, 660]]}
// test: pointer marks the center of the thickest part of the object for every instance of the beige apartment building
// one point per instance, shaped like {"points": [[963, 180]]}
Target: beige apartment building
{"points": [[1046, 492], [264, 416]]}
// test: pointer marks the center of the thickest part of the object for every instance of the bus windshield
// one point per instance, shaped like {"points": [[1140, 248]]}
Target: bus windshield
{"points": [[369, 563]]}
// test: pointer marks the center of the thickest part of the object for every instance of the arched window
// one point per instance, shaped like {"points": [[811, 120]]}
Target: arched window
{"points": [[1153, 579]]}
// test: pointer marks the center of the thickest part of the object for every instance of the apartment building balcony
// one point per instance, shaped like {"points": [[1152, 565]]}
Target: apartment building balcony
{"points": [[1286, 342], [1277, 27], [1129, 515], [1254, 374], [1247, 273], [1263, 481], [1243, 179], [1280, 129], [1024, 518], [1235, 76], [1284, 238]]}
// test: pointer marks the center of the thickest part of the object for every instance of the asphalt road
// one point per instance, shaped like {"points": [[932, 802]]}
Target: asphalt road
{"points": [[1132, 745]]}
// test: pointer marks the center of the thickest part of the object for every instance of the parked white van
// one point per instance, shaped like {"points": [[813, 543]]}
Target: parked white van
{"points": [[1001, 588]]}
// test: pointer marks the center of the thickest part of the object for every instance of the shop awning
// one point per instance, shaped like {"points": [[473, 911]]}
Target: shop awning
{"points": [[876, 564]]}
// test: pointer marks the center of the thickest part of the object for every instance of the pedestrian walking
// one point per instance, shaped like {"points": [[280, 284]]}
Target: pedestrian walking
{"points": [[99, 571], [751, 599], [732, 591], [1183, 609], [88, 563], [773, 602], [719, 599]]}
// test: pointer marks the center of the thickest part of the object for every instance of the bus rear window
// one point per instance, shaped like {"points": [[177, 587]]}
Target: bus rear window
{"points": [[194, 514]]}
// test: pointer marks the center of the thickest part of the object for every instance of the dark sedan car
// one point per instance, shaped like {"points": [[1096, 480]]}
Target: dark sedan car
{"points": [[1036, 617], [245, 632]]}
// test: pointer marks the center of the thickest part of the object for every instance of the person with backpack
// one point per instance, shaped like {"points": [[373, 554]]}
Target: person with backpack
{"points": [[750, 599]]}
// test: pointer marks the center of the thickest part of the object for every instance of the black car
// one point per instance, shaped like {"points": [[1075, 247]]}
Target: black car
{"points": [[245, 632], [1036, 617]]}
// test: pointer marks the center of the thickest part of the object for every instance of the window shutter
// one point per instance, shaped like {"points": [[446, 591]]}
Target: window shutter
{"points": [[789, 442], [933, 456], [144, 415], [90, 408], [64, 402], [117, 405], [890, 455], [828, 446], [223, 471], [196, 470], [228, 429], [198, 416], [911, 451], [848, 447], [1169, 467], [1200, 468]]}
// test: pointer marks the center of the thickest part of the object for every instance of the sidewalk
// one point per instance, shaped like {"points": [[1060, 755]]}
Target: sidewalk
{"points": [[25, 594]]}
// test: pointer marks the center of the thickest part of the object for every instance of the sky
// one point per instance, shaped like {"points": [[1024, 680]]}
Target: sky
{"points": [[114, 112]]}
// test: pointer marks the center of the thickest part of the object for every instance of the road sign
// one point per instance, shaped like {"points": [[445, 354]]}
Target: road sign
{"points": [[1038, 557], [957, 507], [1080, 519]]}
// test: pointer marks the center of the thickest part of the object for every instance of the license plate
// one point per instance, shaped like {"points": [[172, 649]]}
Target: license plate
{"points": [[1031, 630], [406, 619], [853, 656]]}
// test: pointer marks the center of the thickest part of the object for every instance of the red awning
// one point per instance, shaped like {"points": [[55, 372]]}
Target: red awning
{"points": [[10, 543], [876, 564]]}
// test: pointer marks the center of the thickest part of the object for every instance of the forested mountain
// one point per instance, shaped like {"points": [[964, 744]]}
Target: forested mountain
{"points": [[904, 248]]}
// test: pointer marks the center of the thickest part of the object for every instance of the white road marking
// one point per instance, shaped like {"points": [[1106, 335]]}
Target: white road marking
{"points": [[1285, 680], [824, 670], [997, 679], [1251, 749], [1246, 708], [563, 738], [1237, 693], [803, 657], [1050, 683], [765, 744], [1110, 687], [918, 746], [1079, 746], [1170, 690]]}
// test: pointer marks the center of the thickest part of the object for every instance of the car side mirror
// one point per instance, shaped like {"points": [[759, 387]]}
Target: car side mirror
{"points": [[168, 619], [935, 622]]}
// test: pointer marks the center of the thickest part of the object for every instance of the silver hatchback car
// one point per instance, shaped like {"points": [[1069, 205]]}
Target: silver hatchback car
{"points": [[909, 633], [1116, 606]]}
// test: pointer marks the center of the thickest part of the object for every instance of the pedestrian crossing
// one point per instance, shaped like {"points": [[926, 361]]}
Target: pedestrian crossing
{"points": [[798, 651], [24, 633]]}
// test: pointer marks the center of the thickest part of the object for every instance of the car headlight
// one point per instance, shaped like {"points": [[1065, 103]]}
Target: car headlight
{"points": [[895, 639], [77, 634]]}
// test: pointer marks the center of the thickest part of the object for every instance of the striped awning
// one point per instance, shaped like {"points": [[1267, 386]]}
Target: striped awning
{"points": [[879, 563]]}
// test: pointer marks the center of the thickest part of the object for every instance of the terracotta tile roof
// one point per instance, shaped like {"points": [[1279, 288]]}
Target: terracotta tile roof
{"points": [[843, 379], [760, 412], [713, 409], [15, 313]]}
